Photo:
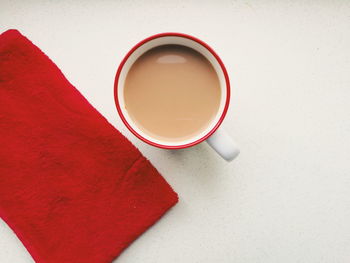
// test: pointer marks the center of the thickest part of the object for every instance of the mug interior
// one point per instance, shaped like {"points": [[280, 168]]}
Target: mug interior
{"points": [[166, 39]]}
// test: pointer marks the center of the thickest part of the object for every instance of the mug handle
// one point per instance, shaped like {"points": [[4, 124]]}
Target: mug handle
{"points": [[223, 144]]}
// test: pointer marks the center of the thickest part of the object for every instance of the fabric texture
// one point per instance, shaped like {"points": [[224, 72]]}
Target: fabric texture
{"points": [[72, 187]]}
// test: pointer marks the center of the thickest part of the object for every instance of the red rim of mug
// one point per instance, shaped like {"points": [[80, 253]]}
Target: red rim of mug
{"points": [[227, 102]]}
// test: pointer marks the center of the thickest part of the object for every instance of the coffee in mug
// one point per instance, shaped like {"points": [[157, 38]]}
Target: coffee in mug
{"points": [[172, 92]]}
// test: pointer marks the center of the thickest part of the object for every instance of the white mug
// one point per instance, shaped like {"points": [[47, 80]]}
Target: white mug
{"points": [[216, 137]]}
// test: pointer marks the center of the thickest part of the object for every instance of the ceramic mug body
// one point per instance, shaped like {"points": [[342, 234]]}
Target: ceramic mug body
{"points": [[217, 140]]}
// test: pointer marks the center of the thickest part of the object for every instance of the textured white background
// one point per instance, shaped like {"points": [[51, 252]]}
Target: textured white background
{"points": [[287, 197]]}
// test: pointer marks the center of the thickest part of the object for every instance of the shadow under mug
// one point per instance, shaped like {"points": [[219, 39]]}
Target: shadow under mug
{"points": [[218, 139]]}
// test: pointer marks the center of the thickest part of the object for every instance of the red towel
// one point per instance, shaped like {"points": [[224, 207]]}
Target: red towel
{"points": [[72, 188]]}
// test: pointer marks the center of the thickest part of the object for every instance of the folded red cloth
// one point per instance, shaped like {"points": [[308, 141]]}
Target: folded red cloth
{"points": [[72, 187]]}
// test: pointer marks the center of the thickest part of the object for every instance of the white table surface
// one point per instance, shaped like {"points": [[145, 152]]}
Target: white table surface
{"points": [[287, 196]]}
